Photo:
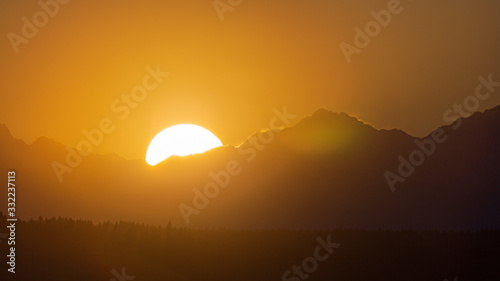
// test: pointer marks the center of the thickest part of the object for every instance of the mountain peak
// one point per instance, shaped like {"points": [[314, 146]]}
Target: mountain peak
{"points": [[4, 132], [324, 116], [325, 113], [46, 142]]}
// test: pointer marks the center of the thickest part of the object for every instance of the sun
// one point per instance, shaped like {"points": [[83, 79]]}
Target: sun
{"points": [[180, 140]]}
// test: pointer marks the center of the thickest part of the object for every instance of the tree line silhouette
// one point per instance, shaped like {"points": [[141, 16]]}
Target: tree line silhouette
{"points": [[68, 249]]}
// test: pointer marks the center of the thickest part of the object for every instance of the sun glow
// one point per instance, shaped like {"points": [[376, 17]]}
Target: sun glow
{"points": [[180, 140]]}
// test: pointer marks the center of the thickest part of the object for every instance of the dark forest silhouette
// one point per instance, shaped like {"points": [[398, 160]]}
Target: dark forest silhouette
{"points": [[66, 249]]}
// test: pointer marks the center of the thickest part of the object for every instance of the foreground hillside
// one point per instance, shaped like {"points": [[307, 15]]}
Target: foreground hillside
{"points": [[62, 249]]}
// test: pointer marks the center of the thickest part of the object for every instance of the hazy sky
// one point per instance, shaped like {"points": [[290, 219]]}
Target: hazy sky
{"points": [[227, 76]]}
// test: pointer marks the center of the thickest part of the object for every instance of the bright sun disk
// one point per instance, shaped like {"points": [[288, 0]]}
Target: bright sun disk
{"points": [[180, 140]]}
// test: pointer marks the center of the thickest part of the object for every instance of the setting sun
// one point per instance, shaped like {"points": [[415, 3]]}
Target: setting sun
{"points": [[180, 140]]}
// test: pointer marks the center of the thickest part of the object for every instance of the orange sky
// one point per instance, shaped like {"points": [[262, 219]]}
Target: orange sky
{"points": [[227, 76]]}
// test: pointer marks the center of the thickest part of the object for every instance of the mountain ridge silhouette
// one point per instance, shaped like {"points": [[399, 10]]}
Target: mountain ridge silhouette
{"points": [[326, 171]]}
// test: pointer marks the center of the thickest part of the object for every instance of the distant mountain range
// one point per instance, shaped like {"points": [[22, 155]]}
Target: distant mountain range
{"points": [[328, 171]]}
